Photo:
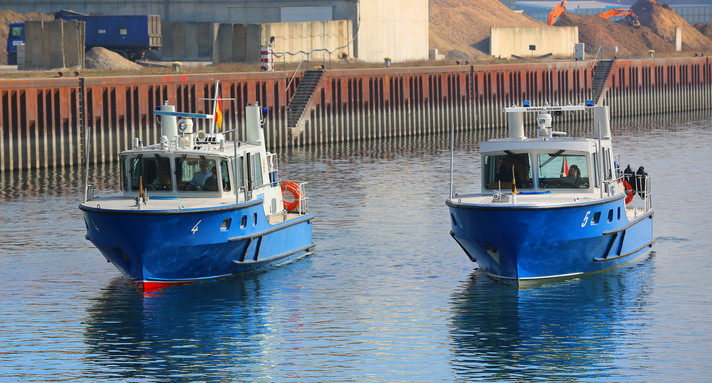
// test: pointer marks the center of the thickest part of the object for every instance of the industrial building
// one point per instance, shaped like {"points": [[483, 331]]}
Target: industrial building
{"points": [[394, 29]]}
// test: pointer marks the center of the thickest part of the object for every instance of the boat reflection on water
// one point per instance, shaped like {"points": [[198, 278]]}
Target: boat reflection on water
{"points": [[570, 329], [213, 330]]}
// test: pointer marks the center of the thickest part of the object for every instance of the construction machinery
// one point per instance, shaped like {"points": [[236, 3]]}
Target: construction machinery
{"points": [[557, 11], [630, 17]]}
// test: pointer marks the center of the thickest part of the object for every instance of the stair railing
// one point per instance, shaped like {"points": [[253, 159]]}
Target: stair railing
{"points": [[596, 58], [291, 80]]}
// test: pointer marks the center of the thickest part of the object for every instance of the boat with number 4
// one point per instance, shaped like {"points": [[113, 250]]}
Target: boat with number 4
{"points": [[197, 206], [552, 206]]}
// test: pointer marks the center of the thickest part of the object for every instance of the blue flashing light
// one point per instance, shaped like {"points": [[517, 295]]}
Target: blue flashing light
{"points": [[589, 102], [527, 103], [158, 107], [264, 110]]}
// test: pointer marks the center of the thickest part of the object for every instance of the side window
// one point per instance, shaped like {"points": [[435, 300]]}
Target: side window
{"points": [[225, 175], [257, 169], [240, 182], [196, 174], [124, 172]]}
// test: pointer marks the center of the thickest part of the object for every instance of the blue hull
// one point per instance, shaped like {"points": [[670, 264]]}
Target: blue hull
{"points": [[533, 242], [193, 244]]}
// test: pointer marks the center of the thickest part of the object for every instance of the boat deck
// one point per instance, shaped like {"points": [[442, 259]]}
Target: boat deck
{"points": [[279, 218], [527, 199], [129, 203]]}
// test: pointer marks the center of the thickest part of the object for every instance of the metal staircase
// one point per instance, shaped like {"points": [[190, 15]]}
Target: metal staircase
{"points": [[301, 97], [600, 79]]}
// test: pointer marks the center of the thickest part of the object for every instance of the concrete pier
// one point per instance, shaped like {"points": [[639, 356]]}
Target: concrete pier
{"points": [[41, 125]]}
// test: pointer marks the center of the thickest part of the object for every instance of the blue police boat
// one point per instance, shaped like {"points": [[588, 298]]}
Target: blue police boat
{"points": [[552, 206], [196, 206]]}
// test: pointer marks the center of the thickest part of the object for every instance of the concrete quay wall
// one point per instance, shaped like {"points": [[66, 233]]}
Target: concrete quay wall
{"points": [[42, 120]]}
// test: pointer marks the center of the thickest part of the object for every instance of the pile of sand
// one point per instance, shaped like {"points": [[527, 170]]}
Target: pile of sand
{"points": [[102, 58], [705, 29], [662, 20], [8, 17], [597, 32], [460, 29]]}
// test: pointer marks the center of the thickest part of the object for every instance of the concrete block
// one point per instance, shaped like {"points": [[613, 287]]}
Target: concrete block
{"points": [[74, 38], [55, 43], [518, 41]]}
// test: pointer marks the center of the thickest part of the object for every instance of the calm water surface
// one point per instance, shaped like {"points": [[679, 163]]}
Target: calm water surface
{"points": [[387, 296]]}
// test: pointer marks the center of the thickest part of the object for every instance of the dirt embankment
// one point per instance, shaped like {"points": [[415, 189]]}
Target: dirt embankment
{"points": [[705, 29], [458, 27], [662, 20]]}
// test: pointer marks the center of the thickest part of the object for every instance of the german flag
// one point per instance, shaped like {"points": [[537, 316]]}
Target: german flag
{"points": [[565, 167], [218, 114]]}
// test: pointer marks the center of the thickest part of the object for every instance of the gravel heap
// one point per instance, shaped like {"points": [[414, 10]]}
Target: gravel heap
{"points": [[461, 29], [102, 58]]}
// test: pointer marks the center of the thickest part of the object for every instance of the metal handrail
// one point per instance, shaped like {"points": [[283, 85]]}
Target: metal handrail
{"points": [[596, 58], [291, 80]]}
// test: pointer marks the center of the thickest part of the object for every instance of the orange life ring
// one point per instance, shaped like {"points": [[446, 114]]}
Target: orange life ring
{"points": [[628, 191], [293, 189]]}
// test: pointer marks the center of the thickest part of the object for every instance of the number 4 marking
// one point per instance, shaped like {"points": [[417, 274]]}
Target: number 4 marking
{"points": [[585, 219], [195, 228]]}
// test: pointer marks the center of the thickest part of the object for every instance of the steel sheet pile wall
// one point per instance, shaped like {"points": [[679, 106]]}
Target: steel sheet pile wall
{"points": [[641, 87], [374, 103], [40, 124]]}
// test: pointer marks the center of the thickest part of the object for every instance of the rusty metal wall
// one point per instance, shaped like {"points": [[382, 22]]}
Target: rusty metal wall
{"points": [[40, 124]]}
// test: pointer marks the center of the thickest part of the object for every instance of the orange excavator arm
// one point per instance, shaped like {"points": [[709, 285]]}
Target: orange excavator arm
{"points": [[557, 11], [614, 12]]}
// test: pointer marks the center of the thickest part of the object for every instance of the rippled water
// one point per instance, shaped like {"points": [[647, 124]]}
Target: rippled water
{"points": [[387, 296]]}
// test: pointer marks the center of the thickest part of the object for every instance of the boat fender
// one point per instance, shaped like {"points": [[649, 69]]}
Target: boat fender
{"points": [[629, 193], [293, 189]]}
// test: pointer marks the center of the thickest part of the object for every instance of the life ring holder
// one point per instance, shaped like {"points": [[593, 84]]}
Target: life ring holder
{"points": [[293, 189], [629, 193]]}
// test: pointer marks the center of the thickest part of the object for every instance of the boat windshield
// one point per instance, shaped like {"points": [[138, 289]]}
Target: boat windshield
{"points": [[500, 169], [561, 170], [196, 174], [153, 172]]}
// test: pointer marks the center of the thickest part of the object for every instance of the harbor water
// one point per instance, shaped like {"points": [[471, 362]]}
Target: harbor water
{"points": [[387, 296]]}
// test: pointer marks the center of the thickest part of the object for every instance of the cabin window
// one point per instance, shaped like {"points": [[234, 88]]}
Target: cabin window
{"points": [[124, 173], [595, 169], [225, 175], [240, 181], [196, 174], [501, 170], [559, 170], [151, 172]]}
